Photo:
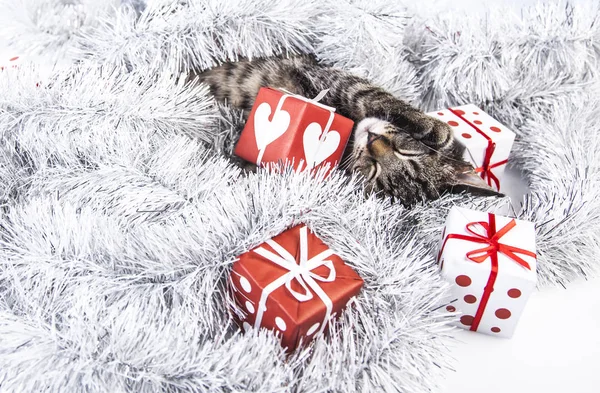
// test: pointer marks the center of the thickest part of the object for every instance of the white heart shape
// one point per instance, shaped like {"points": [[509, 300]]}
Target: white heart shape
{"points": [[266, 131], [316, 151]]}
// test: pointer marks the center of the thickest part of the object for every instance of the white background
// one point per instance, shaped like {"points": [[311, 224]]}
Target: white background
{"points": [[556, 347]]}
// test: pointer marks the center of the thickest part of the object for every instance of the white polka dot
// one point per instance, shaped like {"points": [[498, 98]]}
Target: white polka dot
{"points": [[246, 286], [246, 326], [250, 307], [313, 329], [280, 324]]}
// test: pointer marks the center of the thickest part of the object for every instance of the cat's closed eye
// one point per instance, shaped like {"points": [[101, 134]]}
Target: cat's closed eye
{"points": [[406, 154]]}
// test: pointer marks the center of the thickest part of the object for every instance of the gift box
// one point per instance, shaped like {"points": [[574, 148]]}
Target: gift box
{"points": [[487, 142], [287, 127], [490, 262], [292, 284]]}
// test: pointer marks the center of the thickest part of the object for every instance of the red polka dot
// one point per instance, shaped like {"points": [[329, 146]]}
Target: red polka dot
{"points": [[463, 281], [450, 308], [514, 293], [475, 113], [495, 129], [14, 58], [460, 112], [495, 329], [477, 121], [441, 113], [470, 299], [453, 123], [503, 313], [465, 135], [466, 320]]}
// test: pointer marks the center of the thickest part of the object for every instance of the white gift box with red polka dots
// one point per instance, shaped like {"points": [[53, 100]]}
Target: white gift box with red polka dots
{"points": [[490, 262], [487, 142]]}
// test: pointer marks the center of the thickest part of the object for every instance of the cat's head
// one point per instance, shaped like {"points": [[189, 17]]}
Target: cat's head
{"points": [[394, 163]]}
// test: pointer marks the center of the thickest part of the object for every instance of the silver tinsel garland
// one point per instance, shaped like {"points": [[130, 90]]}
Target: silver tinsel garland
{"points": [[121, 212]]}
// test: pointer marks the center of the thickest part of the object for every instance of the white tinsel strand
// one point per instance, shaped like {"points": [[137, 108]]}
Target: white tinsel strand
{"points": [[51, 241], [73, 99], [82, 122], [200, 34], [460, 61], [151, 188], [210, 236], [346, 362], [50, 29], [371, 46], [505, 62], [560, 153], [551, 51], [556, 40], [191, 364], [376, 30], [396, 74]]}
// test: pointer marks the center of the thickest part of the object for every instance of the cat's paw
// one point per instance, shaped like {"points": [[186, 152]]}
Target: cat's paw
{"points": [[429, 130]]}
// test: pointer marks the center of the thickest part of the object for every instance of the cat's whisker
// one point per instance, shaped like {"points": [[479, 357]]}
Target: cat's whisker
{"points": [[347, 162]]}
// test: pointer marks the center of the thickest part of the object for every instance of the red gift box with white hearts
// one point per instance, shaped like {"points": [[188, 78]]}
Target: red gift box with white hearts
{"points": [[490, 262], [292, 284], [284, 127], [487, 142]]}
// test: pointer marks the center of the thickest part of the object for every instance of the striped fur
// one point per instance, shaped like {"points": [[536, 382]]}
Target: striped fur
{"points": [[400, 151]]}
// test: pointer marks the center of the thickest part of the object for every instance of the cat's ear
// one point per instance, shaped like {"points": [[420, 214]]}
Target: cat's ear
{"points": [[468, 180]]}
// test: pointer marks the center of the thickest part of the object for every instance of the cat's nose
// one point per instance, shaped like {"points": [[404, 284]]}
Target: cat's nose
{"points": [[371, 137]]}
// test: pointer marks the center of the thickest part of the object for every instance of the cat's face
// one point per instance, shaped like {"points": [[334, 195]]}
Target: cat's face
{"points": [[394, 163]]}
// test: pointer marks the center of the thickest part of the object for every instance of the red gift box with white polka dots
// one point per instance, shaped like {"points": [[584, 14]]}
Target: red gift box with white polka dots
{"points": [[487, 142], [284, 127], [292, 284], [490, 262]]}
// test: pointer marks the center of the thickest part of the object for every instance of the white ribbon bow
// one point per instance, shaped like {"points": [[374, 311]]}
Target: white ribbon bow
{"points": [[302, 273]]}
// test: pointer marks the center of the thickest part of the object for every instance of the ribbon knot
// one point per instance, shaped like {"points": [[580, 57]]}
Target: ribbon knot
{"points": [[486, 168], [492, 238], [303, 272], [316, 100]]}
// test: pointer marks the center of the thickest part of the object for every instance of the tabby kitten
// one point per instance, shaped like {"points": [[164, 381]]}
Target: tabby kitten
{"points": [[398, 149]]}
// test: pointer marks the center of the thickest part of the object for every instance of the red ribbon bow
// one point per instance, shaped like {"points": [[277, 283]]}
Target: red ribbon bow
{"points": [[494, 246], [486, 168], [492, 239]]}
